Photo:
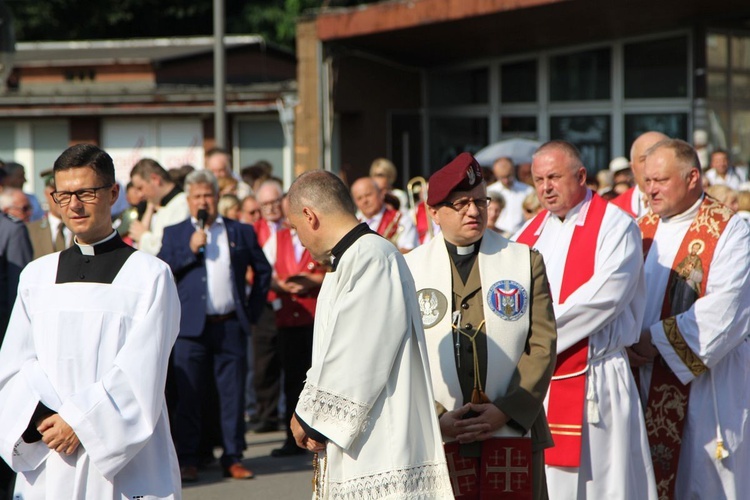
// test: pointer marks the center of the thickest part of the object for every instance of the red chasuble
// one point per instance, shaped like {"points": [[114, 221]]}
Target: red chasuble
{"points": [[567, 392], [667, 403], [262, 231]]}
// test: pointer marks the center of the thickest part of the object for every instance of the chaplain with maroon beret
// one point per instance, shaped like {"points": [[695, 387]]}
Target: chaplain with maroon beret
{"points": [[491, 339]]}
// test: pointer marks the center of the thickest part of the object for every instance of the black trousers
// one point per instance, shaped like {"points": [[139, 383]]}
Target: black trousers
{"points": [[267, 360], [295, 346]]}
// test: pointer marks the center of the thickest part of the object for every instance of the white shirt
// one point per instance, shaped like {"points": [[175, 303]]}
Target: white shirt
{"points": [[220, 281], [511, 218], [408, 238], [54, 224], [732, 179]]}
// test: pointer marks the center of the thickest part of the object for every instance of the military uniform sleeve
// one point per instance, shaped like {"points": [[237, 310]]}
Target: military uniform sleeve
{"points": [[528, 387]]}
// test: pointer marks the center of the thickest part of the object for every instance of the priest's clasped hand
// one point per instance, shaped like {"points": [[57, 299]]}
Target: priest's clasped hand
{"points": [[643, 351], [489, 419], [302, 439], [58, 435]]}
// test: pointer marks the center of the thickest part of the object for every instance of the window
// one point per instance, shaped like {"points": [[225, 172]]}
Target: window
{"points": [[518, 126], [518, 82], [590, 134], [656, 68], [671, 124], [583, 76], [451, 136], [459, 87]]}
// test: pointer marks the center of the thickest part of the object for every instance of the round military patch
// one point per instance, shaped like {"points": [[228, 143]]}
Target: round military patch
{"points": [[508, 299], [433, 306]]}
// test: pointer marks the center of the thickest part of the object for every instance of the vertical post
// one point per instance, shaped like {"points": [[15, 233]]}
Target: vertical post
{"points": [[220, 112]]}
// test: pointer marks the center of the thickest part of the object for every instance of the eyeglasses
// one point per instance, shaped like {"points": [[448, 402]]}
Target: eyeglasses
{"points": [[254, 212], [462, 205], [272, 203], [24, 208], [87, 195]]}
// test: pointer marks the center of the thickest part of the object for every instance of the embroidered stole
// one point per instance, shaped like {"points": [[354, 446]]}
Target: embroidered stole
{"points": [[388, 227], [667, 402], [503, 470], [262, 231], [567, 392]]}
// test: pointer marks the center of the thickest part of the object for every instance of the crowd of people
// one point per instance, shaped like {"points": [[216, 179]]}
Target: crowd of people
{"points": [[522, 330]]}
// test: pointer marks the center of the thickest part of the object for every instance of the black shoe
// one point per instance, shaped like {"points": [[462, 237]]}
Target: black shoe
{"points": [[288, 450], [265, 427]]}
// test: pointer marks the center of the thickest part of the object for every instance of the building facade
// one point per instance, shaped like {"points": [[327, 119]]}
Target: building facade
{"points": [[419, 81], [147, 98]]}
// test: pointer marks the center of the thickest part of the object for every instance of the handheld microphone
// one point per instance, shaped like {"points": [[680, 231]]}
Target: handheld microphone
{"points": [[202, 218]]}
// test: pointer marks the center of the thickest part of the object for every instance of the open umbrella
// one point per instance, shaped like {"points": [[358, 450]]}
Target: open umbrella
{"points": [[519, 150]]}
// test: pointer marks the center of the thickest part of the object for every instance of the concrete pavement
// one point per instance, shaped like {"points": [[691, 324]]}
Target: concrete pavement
{"points": [[287, 478]]}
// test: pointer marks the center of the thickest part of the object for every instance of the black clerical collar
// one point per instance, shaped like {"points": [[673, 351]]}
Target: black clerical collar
{"points": [[348, 240], [98, 263], [458, 251], [174, 192], [111, 242], [463, 257]]}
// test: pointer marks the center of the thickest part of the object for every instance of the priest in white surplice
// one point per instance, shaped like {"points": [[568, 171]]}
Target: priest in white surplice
{"points": [[367, 401], [490, 330], [592, 251], [83, 366], [693, 350]]}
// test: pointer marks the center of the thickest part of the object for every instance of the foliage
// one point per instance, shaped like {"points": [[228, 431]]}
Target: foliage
{"points": [[109, 19]]}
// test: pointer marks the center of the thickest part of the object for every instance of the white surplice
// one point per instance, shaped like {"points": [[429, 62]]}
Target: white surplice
{"points": [[96, 354], [368, 389], [715, 329], [608, 309]]}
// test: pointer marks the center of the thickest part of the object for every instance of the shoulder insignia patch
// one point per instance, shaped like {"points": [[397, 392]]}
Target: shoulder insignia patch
{"points": [[433, 305], [508, 299]]}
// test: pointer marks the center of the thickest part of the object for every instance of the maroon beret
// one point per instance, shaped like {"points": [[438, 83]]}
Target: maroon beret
{"points": [[461, 174]]}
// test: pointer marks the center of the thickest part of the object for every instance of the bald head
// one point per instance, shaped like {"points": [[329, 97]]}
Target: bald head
{"points": [[638, 155], [322, 191], [368, 196]]}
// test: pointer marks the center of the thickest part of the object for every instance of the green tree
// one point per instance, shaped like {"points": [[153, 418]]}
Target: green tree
{"points": [[37, 20]]}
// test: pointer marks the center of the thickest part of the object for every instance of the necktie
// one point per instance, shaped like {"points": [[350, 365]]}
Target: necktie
{"points": [[60, 238]]}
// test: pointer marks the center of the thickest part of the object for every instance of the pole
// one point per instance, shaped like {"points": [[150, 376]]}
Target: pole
{"points": [[220, 112]]}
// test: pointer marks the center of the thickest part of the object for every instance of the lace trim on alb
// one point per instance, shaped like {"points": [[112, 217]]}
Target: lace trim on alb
{"points": [[423, 482], [329, 407]]}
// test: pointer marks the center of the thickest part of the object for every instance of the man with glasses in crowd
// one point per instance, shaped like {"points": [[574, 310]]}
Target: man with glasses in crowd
{"points": [[266, 356], [490, 332], [83, 368], [15, 204]]}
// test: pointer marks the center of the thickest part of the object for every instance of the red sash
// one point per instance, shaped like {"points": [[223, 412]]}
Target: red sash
{"points": [[422, 221], [668, 398], [503, 471], [388, 227], [262, 231], [296, 310], [567, 392], [625, 201]]}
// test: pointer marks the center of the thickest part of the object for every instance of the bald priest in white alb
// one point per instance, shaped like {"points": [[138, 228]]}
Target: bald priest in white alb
{"points": [[84, 363], [694, 354], [592, 251], [367, 402]]}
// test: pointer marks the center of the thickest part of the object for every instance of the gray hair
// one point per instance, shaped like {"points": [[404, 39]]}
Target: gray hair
{"points": [[202, 177], [6, 197]]}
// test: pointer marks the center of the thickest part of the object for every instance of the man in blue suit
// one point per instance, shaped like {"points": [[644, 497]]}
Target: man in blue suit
{"points": [[210, 256]]}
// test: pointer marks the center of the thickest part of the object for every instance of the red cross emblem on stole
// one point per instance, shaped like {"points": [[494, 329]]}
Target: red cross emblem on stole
{"points": [[464, 473], [506, 464]]}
